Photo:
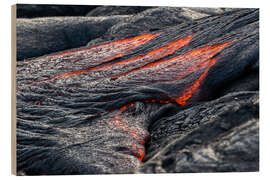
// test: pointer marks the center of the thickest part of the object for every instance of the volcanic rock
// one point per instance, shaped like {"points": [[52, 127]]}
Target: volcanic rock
{"points": [[40, 36], [38, 10], [216, 136], [169, 96], [116, 10]]}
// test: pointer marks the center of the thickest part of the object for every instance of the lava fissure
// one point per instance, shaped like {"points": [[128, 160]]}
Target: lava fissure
{"points": [[95, 55], [197, 56], [154, 54], [115, 44]]}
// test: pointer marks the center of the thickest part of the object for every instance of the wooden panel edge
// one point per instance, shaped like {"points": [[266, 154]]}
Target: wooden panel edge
{"points": [[13, 90]]}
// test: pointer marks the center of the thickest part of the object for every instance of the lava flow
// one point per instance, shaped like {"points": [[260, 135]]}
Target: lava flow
{"points": [[140, 138], [154, 54], [176, 68], [139, 152], [148, 57], [191, 61], [185, 64], [125, 44], [206, 60], [93, 56]]}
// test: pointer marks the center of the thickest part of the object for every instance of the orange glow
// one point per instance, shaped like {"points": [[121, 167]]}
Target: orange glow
{"points": [[166, 102], [181, 65], [113, 50], [162, 51], [197, 59], [155, 54], [125, 127], [123, 108], [139, 152], [203, 56], [189, 62], [182, 100], [129, 42]]}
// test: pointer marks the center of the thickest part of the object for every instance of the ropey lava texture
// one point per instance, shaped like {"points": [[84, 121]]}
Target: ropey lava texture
{"points": [[171, 99]]}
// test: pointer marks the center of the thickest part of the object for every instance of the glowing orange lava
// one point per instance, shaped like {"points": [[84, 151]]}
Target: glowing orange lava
{"points": [[204, 56], [139, 152], [189, 62], [194, 60], [197, 59], [102, 53], [155, 54], [117, 122], [181, 65], [125, 127], [162, 51], [130, 43], [125, 107], [182, 99]]}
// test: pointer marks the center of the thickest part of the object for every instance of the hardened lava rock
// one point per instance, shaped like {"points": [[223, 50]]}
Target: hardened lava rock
{"points": [[217, 136], [146, 95]]}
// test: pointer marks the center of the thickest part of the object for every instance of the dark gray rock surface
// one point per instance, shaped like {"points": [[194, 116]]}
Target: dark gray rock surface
{"points": [[116, 10], [40, 36], [50, 10], [216, 136], [43, 34], [147, 95], [157, 18]]}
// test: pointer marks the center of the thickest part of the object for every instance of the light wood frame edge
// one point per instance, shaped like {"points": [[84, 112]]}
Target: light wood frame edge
{"points": [[13, 89]]}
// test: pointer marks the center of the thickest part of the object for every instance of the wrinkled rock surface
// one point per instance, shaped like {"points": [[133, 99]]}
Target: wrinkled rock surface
{"points": [[216, 136], [160, 90]]}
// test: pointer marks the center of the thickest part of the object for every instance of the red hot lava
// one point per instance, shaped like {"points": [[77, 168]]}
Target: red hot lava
{"points": [[182, 65], [148, 57]]}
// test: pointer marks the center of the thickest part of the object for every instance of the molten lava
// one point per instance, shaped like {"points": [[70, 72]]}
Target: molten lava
{"points": [[125, 127], [139, 152], [188, 63], [99, 54], [150, 56], [182, 99], [191, 61], [124, 44], [205, 58], [133, 132], [176, 68]]}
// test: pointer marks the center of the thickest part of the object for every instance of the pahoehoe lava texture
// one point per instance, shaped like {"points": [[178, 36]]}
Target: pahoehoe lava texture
{"points": [[40, 36], [116, 10], [220, 135], [180, 95], [43, 34]]}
